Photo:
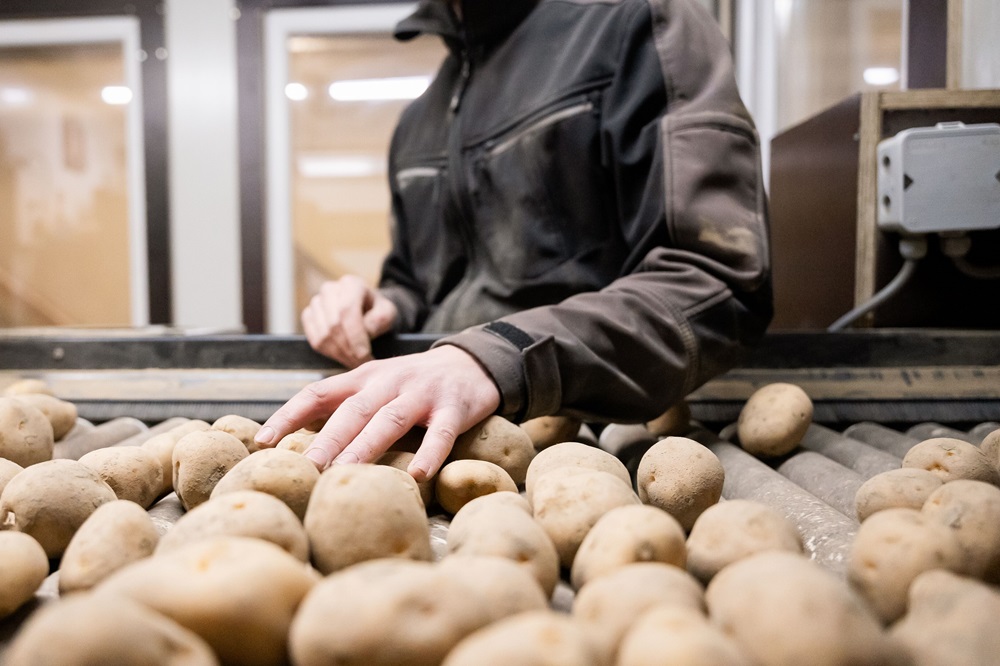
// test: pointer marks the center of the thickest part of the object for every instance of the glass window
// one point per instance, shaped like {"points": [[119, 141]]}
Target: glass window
{"points": [[64, 241], [345, 94]]}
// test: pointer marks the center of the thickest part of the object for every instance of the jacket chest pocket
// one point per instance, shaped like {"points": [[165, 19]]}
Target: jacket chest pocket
{"points": [[436, 253], [539, 191]]}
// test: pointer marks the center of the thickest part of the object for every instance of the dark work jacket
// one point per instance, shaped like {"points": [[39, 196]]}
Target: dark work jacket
{"points": [[578, 196]]}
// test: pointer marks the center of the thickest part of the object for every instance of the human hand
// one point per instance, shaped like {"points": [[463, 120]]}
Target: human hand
{"points": [[341, 320], [444, 390]]}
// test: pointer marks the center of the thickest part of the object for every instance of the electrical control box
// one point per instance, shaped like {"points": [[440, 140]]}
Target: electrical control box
{"points": [[937, 179]]}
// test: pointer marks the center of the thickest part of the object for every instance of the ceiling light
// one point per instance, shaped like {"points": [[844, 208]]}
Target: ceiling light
{"points": [[296, 91], [116, 95], [367, 90], [881, 76], [332, 165], [16, 96]]}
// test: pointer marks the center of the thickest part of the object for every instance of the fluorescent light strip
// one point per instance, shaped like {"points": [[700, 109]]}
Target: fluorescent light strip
{"points": [[339, 166], [881, 76], [371, 90], [116, 95]]}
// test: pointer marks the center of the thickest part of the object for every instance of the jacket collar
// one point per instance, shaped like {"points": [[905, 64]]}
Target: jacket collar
{"points": [[485, 21]]}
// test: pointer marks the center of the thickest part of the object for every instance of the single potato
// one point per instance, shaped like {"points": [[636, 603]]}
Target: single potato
{"points": [[678, 636], [497, 440], [8, 470], [60, 413], [950, 459], [200, 460], [546, 431], [50, 500], [241, 428], [971, 509], [461, 481], [774, 420], [573, 454], [401, 460], [115, 535], [26, 436], [25, 566], [162, 448], [534, 638], [904, 488], [132, 472], [287, 475], [680, 476]]}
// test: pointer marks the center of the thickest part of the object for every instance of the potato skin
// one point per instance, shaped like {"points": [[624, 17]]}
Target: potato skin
{"points": [[991, 447], [162, 448], [573, 454], [88, 629], [785, 609], [131, 471], [950, 620], [971, 509], [401, 460], [678, 636], [674, 421], [680, 476], [344, 619], [907, 487], [50, 500], [8, 470], [625, 535], [891, 549], [774, 420], [546, 431], [503, 586], [200, 460], [287, 475], [535, 638], [950, 459], [60, 413], [25, 566], [238, 594], [241, 428], [115, 535], [243, 513], [364, 512], [497, 440], [27, 387], [568, 502], [26, 436], [734, 530], [461, 481]]}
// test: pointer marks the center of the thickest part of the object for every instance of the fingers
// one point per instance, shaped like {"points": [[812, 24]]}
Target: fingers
{"points": [[441, 434], [334, 320], [345, 425], [381, 317], [314, 402], [389, 424]]}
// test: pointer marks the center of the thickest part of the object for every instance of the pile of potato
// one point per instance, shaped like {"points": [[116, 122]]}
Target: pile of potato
{"points": [[531, 546]]}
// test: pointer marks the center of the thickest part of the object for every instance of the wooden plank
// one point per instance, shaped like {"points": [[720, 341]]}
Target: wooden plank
{"points": [[955, 40], [938, 98], [867, 230]]}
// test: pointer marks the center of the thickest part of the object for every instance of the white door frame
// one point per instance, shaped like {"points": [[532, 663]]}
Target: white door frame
{"points": [[279, 25], [102, 30]]}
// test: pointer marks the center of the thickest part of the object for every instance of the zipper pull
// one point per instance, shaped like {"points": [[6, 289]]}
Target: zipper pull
{"points": [[463, 83]]}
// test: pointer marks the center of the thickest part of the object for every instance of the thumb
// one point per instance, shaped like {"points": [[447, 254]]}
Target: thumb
{"points": [[381, 317]]}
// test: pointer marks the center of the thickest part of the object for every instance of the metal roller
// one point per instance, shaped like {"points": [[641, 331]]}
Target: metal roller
{"points": [[882, 438], [863, 459], [160, 428], [925, 431], [106, 434], [830, 481]]}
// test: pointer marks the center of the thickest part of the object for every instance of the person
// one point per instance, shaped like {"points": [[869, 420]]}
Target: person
{"points": [[577, 206]]}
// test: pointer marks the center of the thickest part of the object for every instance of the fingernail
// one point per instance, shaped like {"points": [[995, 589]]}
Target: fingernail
{"points": [[265, 435], [346, 459], [320, 457]]}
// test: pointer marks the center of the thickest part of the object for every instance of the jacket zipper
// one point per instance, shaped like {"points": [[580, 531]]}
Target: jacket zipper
{"points": [[496, 147], [456, 174]]}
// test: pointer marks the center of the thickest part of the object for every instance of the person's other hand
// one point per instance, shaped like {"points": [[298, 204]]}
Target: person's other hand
{"points": [[341, 320], [444, 390]]}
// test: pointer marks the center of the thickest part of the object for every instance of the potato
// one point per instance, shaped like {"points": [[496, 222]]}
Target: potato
{"points": [[243, 513], [296, 441], [573, 454], [200, 460], [132, 472], [60, 413], [991, 447], [238, 594], [546, 431], [25, 566], [384, 612], [568, 502], [625, 535], [906, 488], [162, 448], [50, 500], [460, 481], [287, 475], [501, 585], [734, 530], [401, 460], [507, 531], [8, 469], [363, 512], [534, 638], [781, 608], [971, 509], [27, 387], [891, 549], [675, 421], [951, 620], [26, 436], [497, 440], [608, 605], [950, 459], [115, 535], [91, 629], [471, 510], [678, 636], [680, 476], [241, 428], [774, 420]]}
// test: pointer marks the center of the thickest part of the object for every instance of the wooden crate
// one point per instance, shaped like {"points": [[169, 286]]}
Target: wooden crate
{"points": [[828, 253]]}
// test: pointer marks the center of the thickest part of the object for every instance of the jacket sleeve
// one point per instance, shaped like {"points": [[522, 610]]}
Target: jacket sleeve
{"points": [[683, 157]]}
